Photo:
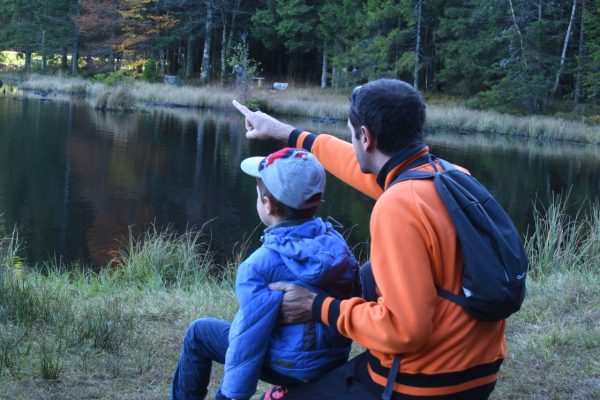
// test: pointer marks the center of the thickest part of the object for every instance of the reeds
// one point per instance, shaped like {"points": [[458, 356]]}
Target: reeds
{"points": [[563, 244], [308, 102], [540, 127], [165, 259]]}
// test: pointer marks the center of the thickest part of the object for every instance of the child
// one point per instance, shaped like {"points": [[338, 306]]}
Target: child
{"points": [[297, 247]]}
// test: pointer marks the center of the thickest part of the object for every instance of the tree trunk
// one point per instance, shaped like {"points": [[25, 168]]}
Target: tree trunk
{"points": [[111, 60], [189, 57], [64, 59], [162, 62], [234, 13], [563, 56], [514, 17], [418, 45], [75, 54], [581, 55], [205, 67], [223, 48], [27, 60], [334, 78], [75, 50], [43, 62], [324, 67]]}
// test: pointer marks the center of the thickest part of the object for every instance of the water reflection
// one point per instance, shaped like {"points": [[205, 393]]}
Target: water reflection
{"points": [[75, 180]]}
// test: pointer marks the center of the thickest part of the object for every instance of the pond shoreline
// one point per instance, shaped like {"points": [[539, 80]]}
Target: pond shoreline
{"points": [[305, 102]]}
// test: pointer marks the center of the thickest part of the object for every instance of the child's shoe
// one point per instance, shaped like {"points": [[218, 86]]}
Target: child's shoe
{"points": [[275, 393]]}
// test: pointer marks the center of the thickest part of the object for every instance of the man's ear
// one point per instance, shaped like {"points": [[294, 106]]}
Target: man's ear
{"points": [[367, 140]]}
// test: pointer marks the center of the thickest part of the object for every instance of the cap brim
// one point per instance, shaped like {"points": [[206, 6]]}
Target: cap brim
{"points": [[250, 166]]}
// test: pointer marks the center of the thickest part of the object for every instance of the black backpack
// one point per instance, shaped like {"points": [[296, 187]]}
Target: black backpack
{"points": [[495, 262]]}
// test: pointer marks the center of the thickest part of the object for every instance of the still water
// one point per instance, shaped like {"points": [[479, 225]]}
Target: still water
{"points": [[75, 181]]}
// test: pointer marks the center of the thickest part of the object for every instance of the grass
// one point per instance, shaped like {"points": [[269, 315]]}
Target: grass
{"points": [[70, 333], [308, 102]]}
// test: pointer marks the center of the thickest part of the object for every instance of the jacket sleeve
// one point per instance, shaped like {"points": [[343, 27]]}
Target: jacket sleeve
{"points": [[250, 332], [343, 165], [403, 314]]}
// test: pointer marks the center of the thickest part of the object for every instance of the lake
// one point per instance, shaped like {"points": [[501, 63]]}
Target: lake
{"points": [[76, 181]]}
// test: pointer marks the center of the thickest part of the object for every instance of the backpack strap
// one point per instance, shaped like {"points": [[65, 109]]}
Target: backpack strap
{"points": [[405, 175], [460, 300], [389, 387]]}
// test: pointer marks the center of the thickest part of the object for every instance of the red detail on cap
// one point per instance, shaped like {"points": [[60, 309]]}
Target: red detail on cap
{"points": [[286, 152]]}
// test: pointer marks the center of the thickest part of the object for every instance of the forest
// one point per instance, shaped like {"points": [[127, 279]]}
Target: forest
{"points": [[518, 56]]}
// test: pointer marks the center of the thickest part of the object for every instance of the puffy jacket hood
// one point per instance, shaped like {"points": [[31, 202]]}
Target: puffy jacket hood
{"points": [[312, 251]]}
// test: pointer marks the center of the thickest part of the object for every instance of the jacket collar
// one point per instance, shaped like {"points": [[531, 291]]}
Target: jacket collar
{"points": [[398, 161]]}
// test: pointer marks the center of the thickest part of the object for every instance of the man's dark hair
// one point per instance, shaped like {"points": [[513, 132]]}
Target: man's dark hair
{"points": [[283, 211], [393, 111]]}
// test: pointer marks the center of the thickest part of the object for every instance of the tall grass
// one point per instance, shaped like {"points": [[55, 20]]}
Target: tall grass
{"points": [[49, 314], [118, 333], [310, 103], [560, 243], [165, 259]]}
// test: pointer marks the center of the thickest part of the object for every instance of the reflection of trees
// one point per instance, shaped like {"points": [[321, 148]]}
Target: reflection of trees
{"points": [[521, 172], [75, 179], [34, 179], [119, 126]]}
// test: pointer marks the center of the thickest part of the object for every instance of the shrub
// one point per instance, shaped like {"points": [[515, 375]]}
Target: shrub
{"points": [[115, 99], [51, 361], [165, 258], [113, 78], [151, 73]]}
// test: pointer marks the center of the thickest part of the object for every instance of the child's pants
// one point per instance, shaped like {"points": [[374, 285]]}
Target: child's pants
{"points": [[206, 340]]}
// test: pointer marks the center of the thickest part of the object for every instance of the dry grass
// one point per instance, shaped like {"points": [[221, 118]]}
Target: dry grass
{"points": [[312, 103], [493, 122]]}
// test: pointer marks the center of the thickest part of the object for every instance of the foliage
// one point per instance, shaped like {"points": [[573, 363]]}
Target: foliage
{"points": [[592, 66], [113, 78], [255, 104], [242, 65], [151, 73], [505, 55]]}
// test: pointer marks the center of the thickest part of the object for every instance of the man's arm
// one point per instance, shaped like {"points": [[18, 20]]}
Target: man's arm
{"points": [[296, 306], [400, 320], [336, 155], [262, 126]]}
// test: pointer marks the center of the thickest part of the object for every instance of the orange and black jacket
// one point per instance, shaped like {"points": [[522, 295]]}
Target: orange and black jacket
{"points": [[414, 247]]}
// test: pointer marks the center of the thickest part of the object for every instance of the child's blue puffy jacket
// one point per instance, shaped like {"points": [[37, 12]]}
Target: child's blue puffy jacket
{"points": [[311, 254]]}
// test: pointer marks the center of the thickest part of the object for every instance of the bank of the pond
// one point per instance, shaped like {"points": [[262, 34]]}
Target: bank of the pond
{"points": [[70, 334], [306, 102]]}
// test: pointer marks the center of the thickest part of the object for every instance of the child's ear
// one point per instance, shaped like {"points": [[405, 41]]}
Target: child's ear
{"points": [[270, 205]]}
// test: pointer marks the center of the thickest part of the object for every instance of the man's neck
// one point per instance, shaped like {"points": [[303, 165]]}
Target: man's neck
{"points": [[378, 160]]}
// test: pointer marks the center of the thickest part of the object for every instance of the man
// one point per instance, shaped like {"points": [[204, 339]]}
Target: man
{"points": [[419, 345]]}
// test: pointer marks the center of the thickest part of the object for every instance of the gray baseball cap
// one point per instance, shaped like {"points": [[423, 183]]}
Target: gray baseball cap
{"points": [[293, 176]]}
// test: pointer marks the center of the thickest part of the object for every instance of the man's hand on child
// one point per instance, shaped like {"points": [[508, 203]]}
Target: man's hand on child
{"points": [[262, 126], [296, 305]]}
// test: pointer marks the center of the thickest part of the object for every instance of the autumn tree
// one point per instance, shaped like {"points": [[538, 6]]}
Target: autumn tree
{"points": [[100, 26]]}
